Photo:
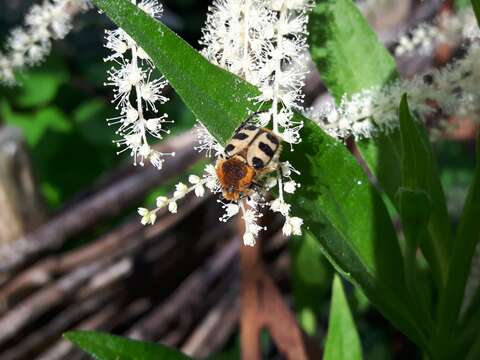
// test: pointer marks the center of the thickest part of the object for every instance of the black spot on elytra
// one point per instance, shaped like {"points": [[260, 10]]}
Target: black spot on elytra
{"points": [[428, 79], [257, 163], [229, 148], [240, 136], [251, 127], [267, 150], [272, 138]]}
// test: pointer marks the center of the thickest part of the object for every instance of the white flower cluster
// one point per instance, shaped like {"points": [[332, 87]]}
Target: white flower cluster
{"points": [[448, 28], [197, 185], [29, 45], [136, 93], [453, 90], [263, 41]]}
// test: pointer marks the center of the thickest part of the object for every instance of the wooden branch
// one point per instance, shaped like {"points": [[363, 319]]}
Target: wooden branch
{"points": [[120, 242], [64, 288], [30, 345], [21, 208], [217, 326], [101, 320], [189, 293], [264, 307], [124, 193]]}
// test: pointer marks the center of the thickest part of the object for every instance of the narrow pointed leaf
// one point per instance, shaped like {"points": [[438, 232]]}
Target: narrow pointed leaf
{"points": [[467, 238], [419, 172], [109, 347], [341, 209], [343, 342]]}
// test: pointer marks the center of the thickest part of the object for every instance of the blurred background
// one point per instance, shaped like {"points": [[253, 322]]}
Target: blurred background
{"points": [[73, 254]]}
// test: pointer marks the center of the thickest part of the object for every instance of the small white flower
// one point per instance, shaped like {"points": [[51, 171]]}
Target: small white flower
{"points": [[292, 226], [270, 182], [230, 211], [193, 179], [148, 217], [162, 201], [249, 239], [290, 187], [199, 190], [279, 205], [173, 207], [180, 190], [136, 92]]}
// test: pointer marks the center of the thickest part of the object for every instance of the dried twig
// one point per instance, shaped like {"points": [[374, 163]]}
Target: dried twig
{"points": [[110, 202], [156, 323], [263, 307], [216, 328], [65, 287]]}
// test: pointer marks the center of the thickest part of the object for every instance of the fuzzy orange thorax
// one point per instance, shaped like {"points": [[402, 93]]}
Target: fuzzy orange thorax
{"points": [[235, 177]]}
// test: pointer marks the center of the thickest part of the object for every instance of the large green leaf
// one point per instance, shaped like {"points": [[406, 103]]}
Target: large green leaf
{"points": [[109, 347], [342, 210], [343, 342], [419, 172]]}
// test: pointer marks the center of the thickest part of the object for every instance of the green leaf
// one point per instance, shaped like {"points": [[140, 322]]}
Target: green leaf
{"points": [[41, 86], [461, 4], [350, 59], [90, 117], [476, 9], [341, 209], [212, 94], [109, 347], [474, 352], [419, 172], [347, 52], [343, 342], [415, 209], [35, 125], [347, 216], [311, 279], [467, 238]]}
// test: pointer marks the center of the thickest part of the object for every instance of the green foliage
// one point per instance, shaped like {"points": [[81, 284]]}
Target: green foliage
{"points": [[341, 41], [68, 141], [40, 86], [345, 216], [419, 173], [342, 342], [108, 347], [476, 9], [212, 94], [467, 238], [35, 125], [90, 117], [461, 4], [342, 210], [350, 59], [311, 279]]}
